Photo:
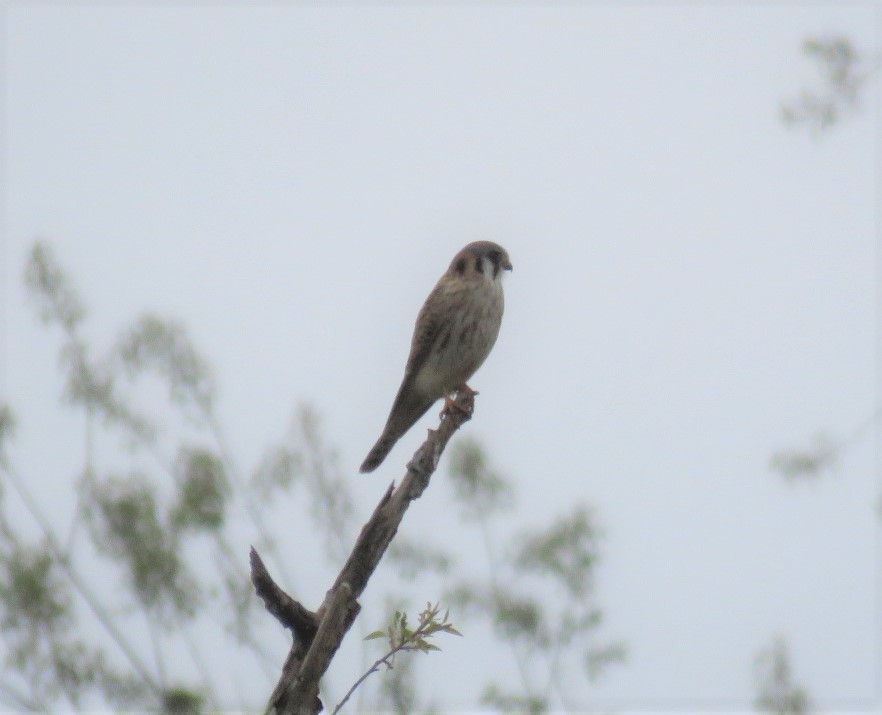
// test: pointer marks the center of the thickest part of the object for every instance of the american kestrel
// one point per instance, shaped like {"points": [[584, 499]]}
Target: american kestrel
{"points": [[454, 333]]}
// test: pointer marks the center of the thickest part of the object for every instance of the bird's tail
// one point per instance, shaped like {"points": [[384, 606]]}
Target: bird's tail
{"points": [[406, 410], [408, 407], [378, 452]]}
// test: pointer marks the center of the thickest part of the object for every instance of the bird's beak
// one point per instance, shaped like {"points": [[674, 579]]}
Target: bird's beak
{"points": [[506, 265]]}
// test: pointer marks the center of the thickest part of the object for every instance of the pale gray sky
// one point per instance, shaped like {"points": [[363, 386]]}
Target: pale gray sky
{"points": [[694, 285]]}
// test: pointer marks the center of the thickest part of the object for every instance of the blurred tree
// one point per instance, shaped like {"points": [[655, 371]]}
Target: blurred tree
{"points": [[776, 691], [538, 594], [94, 609], [844, 70]]}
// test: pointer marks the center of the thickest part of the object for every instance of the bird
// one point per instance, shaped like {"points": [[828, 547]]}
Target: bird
{"points": [[454, 333]]}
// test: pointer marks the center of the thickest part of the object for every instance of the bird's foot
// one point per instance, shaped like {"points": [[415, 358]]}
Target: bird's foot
{"points": [[465, 392], [464, 402]]}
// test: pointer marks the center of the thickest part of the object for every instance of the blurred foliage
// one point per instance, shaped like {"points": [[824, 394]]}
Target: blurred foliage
{"points": [[180, 701], [538, 594], [126, 523], [413, 559], [39, 625], [203, 490], [303, 459], [398, 692], [164, 347], [566, 551], [49, 287], [331, 503], [479, 490], [843, 70], [276, 472], [823, 453], [7, 430], [143, 522], [7, 425], [90, 383], [776, 691], [503, 702], [35, 597], [806, 464]]}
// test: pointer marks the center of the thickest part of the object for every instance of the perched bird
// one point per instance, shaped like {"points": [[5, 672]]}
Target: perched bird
{"points": [[454, 333]]}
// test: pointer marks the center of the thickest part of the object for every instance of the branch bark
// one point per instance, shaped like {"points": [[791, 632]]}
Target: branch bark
{"points": [[317, 635]]}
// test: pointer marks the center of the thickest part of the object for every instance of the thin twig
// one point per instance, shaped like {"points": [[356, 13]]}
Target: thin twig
{"points": [[373, 669]]}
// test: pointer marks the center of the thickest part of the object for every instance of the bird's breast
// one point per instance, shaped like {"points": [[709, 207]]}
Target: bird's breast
{"points": [[467, 332]]}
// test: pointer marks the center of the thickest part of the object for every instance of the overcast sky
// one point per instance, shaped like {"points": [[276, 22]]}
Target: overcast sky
{"points": [[693, 285]]}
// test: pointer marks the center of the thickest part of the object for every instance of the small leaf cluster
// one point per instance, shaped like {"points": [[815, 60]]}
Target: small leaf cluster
{"points": [[401, 637]]}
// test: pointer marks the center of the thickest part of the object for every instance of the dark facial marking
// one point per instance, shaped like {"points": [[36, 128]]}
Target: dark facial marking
{"points": [[460, 266], [496, 259]]}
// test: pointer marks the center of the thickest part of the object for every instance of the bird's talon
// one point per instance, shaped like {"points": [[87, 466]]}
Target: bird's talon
{"points": [[465, 391], [453, 404]]}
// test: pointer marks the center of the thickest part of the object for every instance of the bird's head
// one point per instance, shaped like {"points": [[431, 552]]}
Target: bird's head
{"points": [[483, 257]]}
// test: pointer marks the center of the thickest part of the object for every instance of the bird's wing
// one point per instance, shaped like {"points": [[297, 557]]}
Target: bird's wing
{"points": [[429, 325], [409, 406]]}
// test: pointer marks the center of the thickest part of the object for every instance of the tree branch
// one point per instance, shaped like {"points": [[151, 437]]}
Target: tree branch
{"points": [[318, 635], [302, 622]]}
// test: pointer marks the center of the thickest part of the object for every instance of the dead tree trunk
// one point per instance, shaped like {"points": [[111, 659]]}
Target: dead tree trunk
{"points": [[318, 634]]}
